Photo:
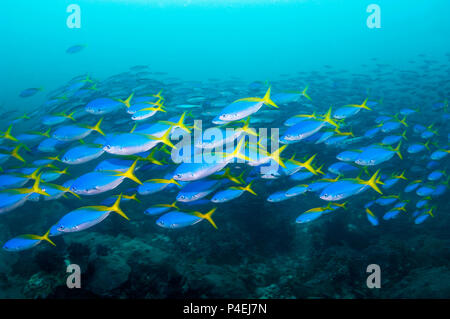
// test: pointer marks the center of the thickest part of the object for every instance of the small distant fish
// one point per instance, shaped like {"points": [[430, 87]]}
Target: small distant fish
{"points": [[30, 92], [75, 48]]}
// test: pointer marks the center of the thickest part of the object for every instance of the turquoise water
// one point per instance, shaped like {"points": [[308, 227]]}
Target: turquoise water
{"points": [[194, 40], [204, 55]]}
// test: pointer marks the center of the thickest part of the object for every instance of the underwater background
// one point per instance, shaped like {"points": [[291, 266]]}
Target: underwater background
{"points": [[204, 55]]}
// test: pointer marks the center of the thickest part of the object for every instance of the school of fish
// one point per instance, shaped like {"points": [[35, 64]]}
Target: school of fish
{"points": [[115, 139]]}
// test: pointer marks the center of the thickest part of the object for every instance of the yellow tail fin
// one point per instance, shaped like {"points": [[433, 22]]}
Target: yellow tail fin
{"points": [[246, 129], [36, 188], [327, 118], [372, 182], [127, 101], [308, 165], [306, 94], [97, 128], [115, 207], [401, 176], [397, 150], [276, 156], [207, 216], [404, 135], [129, 173], [158, 95], [368, 211], [249, 189], [237, 152], [246, 188], [45, 237], [7, 135], [266, 99], [151, 158], [15, 153], [179, 124], [163, 139], [70, 116]]}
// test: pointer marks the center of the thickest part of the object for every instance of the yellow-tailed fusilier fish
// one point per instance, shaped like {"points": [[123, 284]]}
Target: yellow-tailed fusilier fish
{"points": [[85, 217], [242, 108]]}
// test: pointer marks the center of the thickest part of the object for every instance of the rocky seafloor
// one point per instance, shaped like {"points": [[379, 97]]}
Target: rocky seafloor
{"points": [[257, 252]]}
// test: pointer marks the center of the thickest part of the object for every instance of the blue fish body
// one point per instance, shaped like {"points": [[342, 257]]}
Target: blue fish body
{"points": [[439, 190], [301, 131], [390, 183], [386, 200], [71, 133], [81, 219], [277, 197], [194, 171], [237, 111], [296, 190], [94, 183], [390, 126], [438, 154], [435, 176], [372, 132], [10, 200], [341, 189], [51, 120], [412, 187], [82, 154], [12, 181], [416, 148], [419, 128], [114, 164], [174, 220], [341, 168], [197, 190], [20, 244], [421, 218], [128, 143], [425, 190], [346, 112], [308, 217], [318, 186], [153, 211], [103, 105], [29, 92], [50, 145], [301, 176], [391, 139], [226, 195]]}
